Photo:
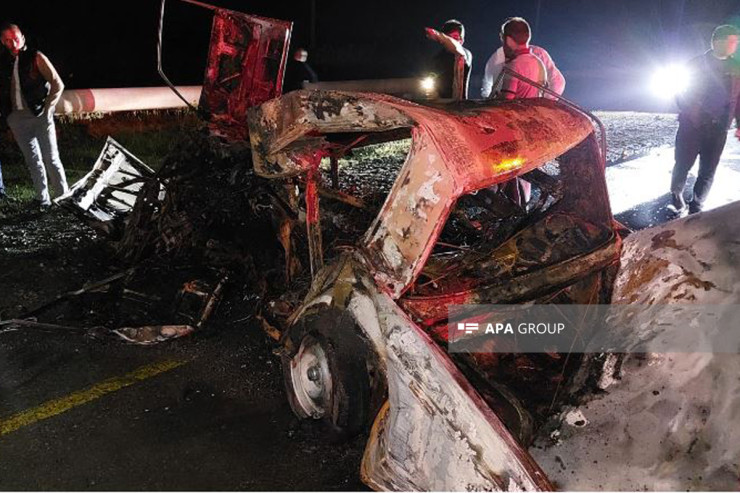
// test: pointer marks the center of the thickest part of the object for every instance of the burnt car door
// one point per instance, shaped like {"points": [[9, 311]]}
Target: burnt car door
{"points": [[246, 61]]}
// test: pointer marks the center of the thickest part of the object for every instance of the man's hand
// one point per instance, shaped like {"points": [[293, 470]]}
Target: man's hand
{"points": [[432, 34], [450, 44], [737, 133]]}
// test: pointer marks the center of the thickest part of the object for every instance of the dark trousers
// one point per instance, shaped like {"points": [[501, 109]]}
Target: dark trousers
{"points": [[706, 141]]}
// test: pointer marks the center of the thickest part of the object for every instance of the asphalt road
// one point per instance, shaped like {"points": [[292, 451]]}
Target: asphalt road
{"points": [[203, 413], [207, 412], [639, 189]]}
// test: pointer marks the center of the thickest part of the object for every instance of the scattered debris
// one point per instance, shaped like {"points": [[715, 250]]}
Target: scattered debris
{"points": [[100, 285], [197, 300], [152, 334], [33, 324], [107, 194]]}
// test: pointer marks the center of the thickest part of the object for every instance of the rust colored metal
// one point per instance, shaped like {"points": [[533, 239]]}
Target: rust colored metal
{"points": [[460, 155], [287, 133], [197, 300], [246, 62], [435, 432], [453, 153], [313, 223], [455, 150]]}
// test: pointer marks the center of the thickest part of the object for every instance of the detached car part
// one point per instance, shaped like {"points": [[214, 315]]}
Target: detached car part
{"points": [[108, 192]]}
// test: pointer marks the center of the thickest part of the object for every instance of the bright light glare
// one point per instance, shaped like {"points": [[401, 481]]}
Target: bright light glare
{"points": [[670, 81], [427, 84]]}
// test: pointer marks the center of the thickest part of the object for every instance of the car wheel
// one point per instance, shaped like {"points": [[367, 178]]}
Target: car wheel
{"points": [[329, 375]]}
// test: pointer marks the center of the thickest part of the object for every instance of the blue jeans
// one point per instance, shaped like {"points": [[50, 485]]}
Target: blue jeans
{"points": [[36, 136]]}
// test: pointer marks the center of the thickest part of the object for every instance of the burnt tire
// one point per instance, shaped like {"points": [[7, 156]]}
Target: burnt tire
{"points": [[328, 374]]}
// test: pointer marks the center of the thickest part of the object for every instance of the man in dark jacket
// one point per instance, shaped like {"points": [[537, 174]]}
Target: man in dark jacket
{"points": [[706, 112], [452, 64], [30, 89], [298, 71]]}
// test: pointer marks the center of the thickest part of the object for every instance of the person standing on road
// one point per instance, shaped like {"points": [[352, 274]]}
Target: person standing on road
{"points": [[30, 91], [706, 110], [452, 64]]}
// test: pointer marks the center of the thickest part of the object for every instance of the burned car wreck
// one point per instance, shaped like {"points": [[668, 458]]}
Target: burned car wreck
{"points": [[443, 235], [367, 343], [377, 299], [354, 285]]}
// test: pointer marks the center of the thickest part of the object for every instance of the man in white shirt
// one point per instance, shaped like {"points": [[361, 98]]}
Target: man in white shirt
{"points": [[31, 89], [555, 79]]}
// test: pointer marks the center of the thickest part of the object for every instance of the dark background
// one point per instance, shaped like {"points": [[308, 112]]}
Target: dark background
{"points": [[607, 49]]}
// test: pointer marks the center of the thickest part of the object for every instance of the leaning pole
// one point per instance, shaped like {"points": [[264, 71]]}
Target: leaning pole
{"points": [[76, 101]]}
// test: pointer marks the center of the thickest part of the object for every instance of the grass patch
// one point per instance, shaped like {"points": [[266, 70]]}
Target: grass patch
{"points": [[149, 135]]}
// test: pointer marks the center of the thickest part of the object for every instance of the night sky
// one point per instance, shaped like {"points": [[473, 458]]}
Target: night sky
{"points": [[606, 49]]}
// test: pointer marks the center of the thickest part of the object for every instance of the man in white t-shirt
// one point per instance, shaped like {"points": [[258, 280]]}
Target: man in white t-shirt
{"points": [[555, 79]]}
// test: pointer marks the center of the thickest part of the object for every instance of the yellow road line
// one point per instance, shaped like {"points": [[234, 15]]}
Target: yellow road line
{"points": [[63, 404]]}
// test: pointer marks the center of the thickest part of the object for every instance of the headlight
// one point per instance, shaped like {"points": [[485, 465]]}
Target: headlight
{"points": [[670, 81], [428, 84]]}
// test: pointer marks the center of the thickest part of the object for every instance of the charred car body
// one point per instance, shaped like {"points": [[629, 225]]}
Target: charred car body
{"points": [[364, 347]]}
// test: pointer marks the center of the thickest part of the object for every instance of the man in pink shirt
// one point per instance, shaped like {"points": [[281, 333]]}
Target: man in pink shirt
{"points": [[515, 36], [496, 62]]}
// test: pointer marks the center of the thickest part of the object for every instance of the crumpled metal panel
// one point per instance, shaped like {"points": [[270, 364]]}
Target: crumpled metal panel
{"points": [[575, 238], [457, 154], [246, 62], [524, 287], [108, 192], [454, 151], [435, 433], [669, 424], [689, 260], [673, 429], [285, 132]]}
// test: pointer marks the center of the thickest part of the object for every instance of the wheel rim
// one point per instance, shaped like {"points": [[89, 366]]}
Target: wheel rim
{"points": [[311, 378]]}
